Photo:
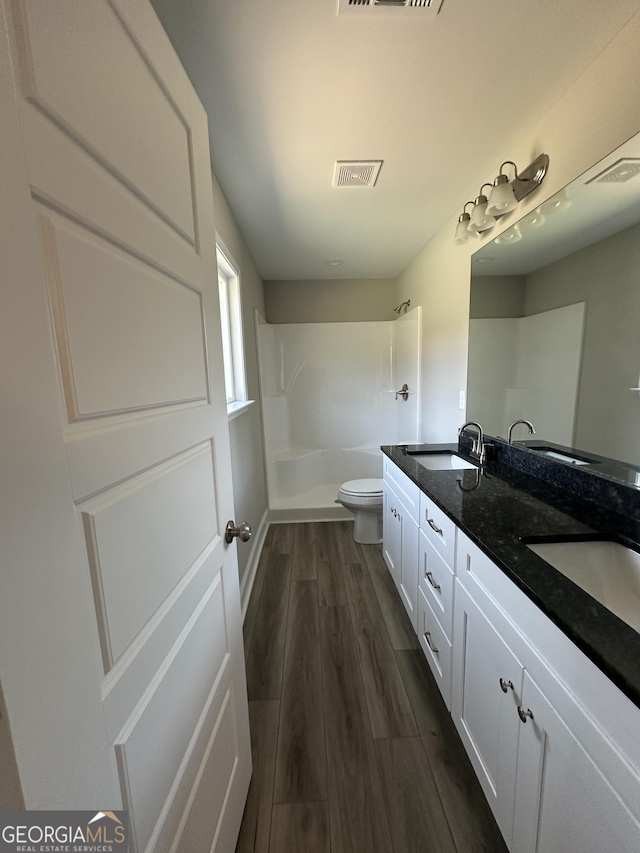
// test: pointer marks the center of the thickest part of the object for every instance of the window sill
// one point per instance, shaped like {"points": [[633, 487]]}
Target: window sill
{"points": [[235, 409]]}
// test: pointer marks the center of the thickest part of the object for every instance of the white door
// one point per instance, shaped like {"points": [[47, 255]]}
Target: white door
{"points": [[120, 631]]}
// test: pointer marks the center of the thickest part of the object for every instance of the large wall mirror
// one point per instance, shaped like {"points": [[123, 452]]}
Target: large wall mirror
{"points": [[554, 330]]}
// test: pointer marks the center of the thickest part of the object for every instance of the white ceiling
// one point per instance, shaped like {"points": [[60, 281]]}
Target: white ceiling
{"points": [[290, 87]]}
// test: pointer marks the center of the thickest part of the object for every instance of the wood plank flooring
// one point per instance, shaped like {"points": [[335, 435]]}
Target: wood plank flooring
{"points": [[353, 748]]}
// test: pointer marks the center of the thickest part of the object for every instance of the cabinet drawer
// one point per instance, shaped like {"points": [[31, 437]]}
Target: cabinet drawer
{"points": [[436, 647], [404, 488], [438, 528], [435, 579]]}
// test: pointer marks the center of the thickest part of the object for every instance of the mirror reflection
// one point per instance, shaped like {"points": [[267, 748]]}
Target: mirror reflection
{"points": [[554, 331]]}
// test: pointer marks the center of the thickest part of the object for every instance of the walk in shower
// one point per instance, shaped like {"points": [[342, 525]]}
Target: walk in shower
{"points": [[329, 400]]}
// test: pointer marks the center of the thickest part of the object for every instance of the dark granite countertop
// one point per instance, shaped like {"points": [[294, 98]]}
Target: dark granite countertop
{"points": [[509, 504]]}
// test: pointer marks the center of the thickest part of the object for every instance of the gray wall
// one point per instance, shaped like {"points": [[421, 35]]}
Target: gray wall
{"points": [[245, 431], [606, 276], [497, 296], [343, 300]]}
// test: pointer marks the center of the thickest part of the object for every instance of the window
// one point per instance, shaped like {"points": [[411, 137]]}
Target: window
{"points": [[232, 343]]}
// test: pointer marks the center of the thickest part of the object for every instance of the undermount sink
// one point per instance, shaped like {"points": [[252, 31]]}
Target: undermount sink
{"points": [[607, 571], [442, 461], [563, 457]]}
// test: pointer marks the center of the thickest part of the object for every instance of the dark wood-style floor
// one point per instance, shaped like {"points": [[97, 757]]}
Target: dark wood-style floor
{"points": [[353, 748]]}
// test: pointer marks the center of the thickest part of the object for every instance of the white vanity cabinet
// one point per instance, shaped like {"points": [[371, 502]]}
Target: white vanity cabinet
{"points": [[400, 535], [558, 760]]}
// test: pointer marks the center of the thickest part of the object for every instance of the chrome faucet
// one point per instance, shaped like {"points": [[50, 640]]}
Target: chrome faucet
{"points": [[515, 423], [478, 448]]}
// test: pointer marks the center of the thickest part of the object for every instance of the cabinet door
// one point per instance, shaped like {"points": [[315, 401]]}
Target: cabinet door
{"points": [[564, 801], [409, 564], [391, 533], [400, 550], [487, 681]]}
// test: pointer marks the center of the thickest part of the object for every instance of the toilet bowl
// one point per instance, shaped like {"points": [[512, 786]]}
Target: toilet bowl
{"points": [[364, 499]]}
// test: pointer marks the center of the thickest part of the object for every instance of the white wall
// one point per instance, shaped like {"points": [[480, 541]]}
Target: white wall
{"points": [[245, 431], [595, 115]]}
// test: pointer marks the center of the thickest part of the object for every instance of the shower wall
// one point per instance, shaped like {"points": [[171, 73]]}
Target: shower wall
{"points": [[328, 402]]}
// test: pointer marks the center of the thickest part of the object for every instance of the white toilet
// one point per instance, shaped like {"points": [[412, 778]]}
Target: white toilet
{"points": [[364, 499]]}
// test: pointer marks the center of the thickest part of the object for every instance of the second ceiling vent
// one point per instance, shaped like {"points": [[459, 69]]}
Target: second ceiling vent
{"points": [[356, 173]]}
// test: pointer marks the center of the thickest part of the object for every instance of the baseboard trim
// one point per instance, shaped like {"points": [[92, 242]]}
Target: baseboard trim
{"points": [[252, 564], [318, 513]]}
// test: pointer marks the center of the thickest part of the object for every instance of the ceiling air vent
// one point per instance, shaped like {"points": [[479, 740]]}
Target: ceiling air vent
{"points": [[619, 172], [423, 9], [356, 173]]}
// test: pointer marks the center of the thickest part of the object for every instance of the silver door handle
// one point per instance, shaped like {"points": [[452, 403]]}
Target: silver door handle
{"points": [[242, 531], [403, 392]]}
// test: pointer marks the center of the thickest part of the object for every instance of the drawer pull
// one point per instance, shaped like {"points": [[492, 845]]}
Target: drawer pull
{"points": [[434, 526], [505, 685], [435, 585], [427, 636], [524, 714]]}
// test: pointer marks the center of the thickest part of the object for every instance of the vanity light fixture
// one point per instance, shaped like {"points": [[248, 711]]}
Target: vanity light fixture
{"points": [[480, 219], [504, 197], [462, 228]]}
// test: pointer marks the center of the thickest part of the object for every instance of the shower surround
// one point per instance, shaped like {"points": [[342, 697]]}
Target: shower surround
{"points": [[329, 401]]}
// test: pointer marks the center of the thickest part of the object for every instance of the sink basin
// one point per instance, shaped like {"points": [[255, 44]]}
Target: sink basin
{"points": [[442, 461], [563, 457], [609, 572]]}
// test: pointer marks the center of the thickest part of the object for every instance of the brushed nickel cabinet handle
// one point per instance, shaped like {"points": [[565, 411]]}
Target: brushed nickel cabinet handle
{"points": [[427, 636], [524, 714], [505, 685], [435, 585], [434, 526]]}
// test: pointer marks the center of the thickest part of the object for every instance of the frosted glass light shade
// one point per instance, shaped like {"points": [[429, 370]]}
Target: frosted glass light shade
{"points": [[502, 199], [462, 230], [480, 219]]}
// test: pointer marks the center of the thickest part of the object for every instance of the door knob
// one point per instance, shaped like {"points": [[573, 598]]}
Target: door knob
{"points": [[242, 531]]}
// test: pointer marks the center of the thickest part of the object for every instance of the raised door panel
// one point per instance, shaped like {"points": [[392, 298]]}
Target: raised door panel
{"points": [[487, 684], [564, 802], [143, 538], [111, 309], [63, 43]]}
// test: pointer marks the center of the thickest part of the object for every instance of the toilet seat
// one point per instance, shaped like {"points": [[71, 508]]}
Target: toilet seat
{"points": [[362, 488]]}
